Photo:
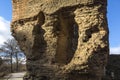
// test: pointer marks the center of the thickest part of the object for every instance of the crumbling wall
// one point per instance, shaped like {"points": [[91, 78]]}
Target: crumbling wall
{"points": [[62, 39]]}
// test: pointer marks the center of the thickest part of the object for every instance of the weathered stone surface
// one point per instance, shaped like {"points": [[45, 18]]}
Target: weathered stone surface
{"points": [[62, 39]]}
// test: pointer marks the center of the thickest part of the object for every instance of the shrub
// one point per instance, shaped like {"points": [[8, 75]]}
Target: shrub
{"points": [[4, 68]]}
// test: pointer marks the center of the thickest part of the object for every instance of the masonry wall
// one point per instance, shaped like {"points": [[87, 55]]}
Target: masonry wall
{"points": [[65, 40]]}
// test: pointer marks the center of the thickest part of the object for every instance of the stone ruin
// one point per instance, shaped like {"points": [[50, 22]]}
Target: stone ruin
{"points": [[62, 39]]}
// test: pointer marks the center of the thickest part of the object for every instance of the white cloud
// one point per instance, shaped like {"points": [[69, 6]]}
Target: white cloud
{"points": [[115, 50], [4, 30]]}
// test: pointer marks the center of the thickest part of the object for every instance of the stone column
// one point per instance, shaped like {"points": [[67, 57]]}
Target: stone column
{"points": [[92, 50], [62, 40]]}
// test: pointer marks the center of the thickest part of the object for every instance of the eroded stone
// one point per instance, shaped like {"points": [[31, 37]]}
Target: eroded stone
{"points": [[62, 40]]}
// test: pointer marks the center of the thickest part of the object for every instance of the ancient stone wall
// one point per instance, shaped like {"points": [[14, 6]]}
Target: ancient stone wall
{"points": [[62, 39]]}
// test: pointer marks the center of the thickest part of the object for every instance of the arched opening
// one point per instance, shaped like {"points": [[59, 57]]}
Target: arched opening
{"points": [[67, 38]]}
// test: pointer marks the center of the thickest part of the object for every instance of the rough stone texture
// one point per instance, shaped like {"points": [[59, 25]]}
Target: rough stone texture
{"points": [[62, 39]]}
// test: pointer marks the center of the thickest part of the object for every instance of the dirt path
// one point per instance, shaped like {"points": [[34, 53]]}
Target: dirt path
{"points": [[15, 76]]}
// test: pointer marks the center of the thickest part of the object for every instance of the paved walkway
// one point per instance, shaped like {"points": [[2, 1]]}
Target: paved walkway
{"points": [[15, 76]]}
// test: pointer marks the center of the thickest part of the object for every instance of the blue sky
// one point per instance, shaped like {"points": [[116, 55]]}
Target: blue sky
{"points": [[113, 23], [6, 9]]}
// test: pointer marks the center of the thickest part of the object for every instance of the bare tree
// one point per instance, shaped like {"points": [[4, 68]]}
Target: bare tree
{"points": [[0, 60], [11, 49]]}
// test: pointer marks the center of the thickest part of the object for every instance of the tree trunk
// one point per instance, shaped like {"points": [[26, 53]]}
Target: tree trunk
{"points": [[16, 61], [11, 67]]}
